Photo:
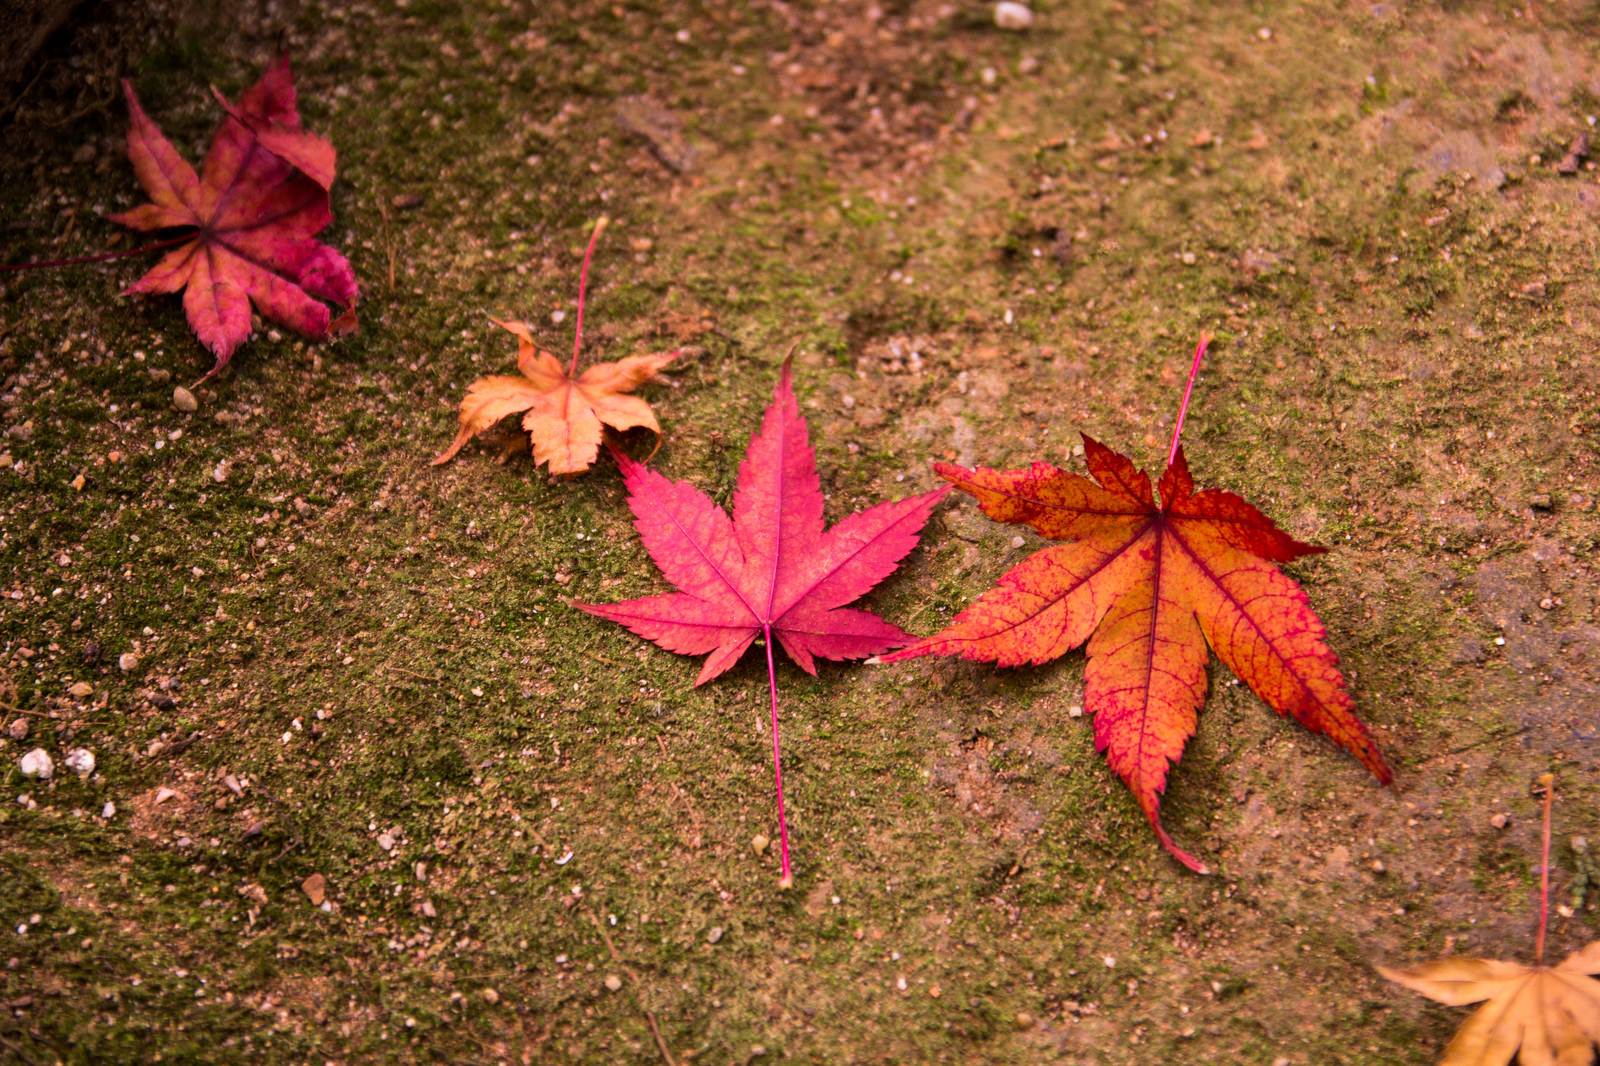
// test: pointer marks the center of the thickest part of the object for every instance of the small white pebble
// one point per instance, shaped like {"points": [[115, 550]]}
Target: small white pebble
{"points": [[80, 761], [37, 763], [109, 811], [127, 662], [1010, 15]]}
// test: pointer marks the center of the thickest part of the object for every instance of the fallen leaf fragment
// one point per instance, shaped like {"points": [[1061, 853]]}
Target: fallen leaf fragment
{"points": [[1540, 1015], [772, 571], [563, 411], [260, 198], [1148, 586]]}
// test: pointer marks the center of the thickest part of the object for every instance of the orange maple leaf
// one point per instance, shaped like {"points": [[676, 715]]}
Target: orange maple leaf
{"points": [[1148, 586], [563, 411]]}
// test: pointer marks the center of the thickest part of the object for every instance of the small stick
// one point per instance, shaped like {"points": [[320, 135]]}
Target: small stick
{"points": [[1549, 783], [616, 957], [1188, 390], [99, 257], [649, 1017], [583, 288]]}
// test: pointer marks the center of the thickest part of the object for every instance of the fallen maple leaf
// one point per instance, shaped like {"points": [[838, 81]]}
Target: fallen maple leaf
{"points": [[773, 571], [1148, 586], [564, 414], [259, 199], [1542, 1015]]}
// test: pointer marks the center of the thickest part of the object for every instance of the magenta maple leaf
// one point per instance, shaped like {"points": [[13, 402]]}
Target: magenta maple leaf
{"points": [[260, 198], [772, 570]]}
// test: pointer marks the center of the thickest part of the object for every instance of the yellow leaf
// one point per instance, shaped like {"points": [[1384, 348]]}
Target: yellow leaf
{"points": [[1541, 1015]]}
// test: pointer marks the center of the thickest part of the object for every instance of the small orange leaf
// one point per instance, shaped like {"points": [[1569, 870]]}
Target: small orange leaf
{"points": [[562, 410], [562, 414]]}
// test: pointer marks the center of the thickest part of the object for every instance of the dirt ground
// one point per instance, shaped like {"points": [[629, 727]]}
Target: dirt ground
{"points": [[531, 836]]}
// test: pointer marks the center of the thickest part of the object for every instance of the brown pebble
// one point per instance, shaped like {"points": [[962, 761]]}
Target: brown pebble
{"points": [[184, 400], [316, 889]]}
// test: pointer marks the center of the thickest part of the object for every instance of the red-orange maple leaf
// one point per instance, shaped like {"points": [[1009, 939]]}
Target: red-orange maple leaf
{"points": [[1148, 586], [773, 572], [260, 198]]}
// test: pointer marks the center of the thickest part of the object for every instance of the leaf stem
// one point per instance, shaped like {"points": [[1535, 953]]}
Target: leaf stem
{"points": [[583, 288], [1188, 390], [1549, 783], [98, 257], [787, 877]]}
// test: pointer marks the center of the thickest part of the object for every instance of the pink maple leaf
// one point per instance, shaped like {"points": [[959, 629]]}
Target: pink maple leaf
{"points": [[772, 571]]}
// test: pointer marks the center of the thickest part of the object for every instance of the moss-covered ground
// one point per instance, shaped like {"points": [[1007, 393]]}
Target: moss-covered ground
{"points": [[979, 244]]}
